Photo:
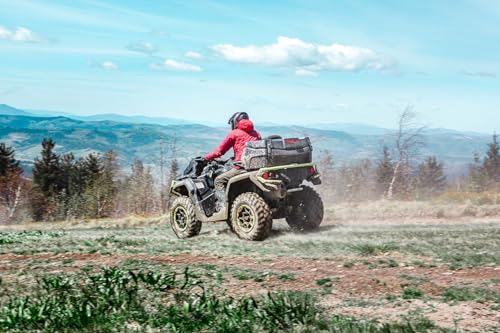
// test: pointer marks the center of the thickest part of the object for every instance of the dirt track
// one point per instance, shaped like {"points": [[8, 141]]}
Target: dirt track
{"points": [[422, 256]]}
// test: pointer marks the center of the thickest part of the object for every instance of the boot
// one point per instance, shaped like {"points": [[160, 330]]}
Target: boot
{"points": [[220, 199]]}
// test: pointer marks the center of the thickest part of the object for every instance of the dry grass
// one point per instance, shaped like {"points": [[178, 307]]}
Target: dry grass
{"points": [[105, 223], [409, 210], [450, 207]]}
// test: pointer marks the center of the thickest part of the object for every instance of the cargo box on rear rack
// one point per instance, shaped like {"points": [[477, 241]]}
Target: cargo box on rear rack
{"points": [[275, 152]]}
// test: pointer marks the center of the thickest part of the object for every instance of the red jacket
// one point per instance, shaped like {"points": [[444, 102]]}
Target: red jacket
{"points": [[236, 139]]}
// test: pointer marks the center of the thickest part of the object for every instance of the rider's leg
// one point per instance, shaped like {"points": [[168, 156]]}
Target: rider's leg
{"points": [[220, 186], [222, 179]]}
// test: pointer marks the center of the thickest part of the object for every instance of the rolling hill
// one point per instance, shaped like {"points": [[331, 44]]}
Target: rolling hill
{"points": [[24, 131]]}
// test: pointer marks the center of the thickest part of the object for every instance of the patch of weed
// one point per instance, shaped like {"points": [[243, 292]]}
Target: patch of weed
{"points": [[111, 299], [462, 294], [411, 293], [349, 264], [369, 249], [287, 277]]}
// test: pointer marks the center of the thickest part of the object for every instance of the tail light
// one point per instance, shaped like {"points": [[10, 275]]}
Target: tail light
{"points": [[269, 175], [312, 170]]}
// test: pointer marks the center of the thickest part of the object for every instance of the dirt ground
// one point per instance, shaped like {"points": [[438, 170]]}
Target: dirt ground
{"points": [[407, 279]]}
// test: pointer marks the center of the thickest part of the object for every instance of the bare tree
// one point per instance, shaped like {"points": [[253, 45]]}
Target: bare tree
{"points": [[173, 170], [162, 176], [13, 194], [409, 140]]}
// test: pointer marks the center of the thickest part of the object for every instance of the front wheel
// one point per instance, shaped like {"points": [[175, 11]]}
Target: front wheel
{"points": [[251, 217], [306, 210], [183, 218]]}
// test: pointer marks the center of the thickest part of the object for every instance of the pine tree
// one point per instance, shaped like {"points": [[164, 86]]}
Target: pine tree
{"points": [[431, 180], [46, 170], [91, 168], [491, 164], [8, 163], [107, 187], [384, 172], [47, 182], [65, 197], [99, 184]]}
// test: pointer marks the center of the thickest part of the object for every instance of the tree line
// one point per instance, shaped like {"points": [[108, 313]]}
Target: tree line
{"points": [[63, 187], [397, 175]]}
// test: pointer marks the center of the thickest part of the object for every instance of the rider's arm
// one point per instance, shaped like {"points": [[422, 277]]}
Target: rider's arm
{"points": [[227, 144]]}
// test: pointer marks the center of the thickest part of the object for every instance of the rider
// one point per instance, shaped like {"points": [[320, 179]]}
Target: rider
{"points": [[242, 131]]}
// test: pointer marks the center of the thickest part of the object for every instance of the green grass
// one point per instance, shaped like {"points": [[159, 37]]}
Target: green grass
{"points": [[26, 236], [287, 277], [368, 249], [112, 298], [462, 294], [412, 293], [454, 246], [458, 246]]}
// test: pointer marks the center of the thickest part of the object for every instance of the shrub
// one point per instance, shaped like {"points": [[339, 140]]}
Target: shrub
{"points": [[410, 293]]}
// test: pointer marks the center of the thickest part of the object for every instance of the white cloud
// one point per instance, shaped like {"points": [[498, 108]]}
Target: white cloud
{"points": [[181, 66], [21, 34], [193, 55], [305, 72], [109, 66], [483, 74], [143, 47], [307, 58]]}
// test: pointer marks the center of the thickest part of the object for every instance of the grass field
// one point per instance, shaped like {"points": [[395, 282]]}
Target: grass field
{"points": [[413, 274]]}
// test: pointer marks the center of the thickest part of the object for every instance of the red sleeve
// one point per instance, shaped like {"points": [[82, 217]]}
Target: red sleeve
{"points": [[227, 144]]}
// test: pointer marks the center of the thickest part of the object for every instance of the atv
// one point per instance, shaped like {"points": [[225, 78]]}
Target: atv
{"points": [[272, 187]]}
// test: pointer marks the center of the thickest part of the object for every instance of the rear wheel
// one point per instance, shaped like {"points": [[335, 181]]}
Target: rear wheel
{"points": [[306, 210], [183, 218], [230, 224], [251, 217]]}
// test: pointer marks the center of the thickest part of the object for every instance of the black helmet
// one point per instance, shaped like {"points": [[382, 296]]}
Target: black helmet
{"points": [[236, 118]]}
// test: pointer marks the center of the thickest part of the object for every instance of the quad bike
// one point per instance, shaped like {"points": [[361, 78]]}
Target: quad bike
{"points": [[272, 187]]}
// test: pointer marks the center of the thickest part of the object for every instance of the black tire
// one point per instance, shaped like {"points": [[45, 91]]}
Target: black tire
{"points": [[307, 210], [230, 224], [183, 218], [251, 217]]}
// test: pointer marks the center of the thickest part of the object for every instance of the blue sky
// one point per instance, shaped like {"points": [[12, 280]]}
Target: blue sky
{"points": [[297, 62]]}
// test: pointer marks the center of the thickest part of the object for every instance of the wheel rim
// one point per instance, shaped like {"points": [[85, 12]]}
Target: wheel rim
{"points": [[299, 211], [245, 218], [180, 218]]}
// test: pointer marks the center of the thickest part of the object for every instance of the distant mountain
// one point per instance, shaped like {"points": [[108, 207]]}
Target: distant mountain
{"points": [[131, 141], [113, 117], [141, 137], [143, 141], [135, 119], [11, 111], [353, 128]]}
